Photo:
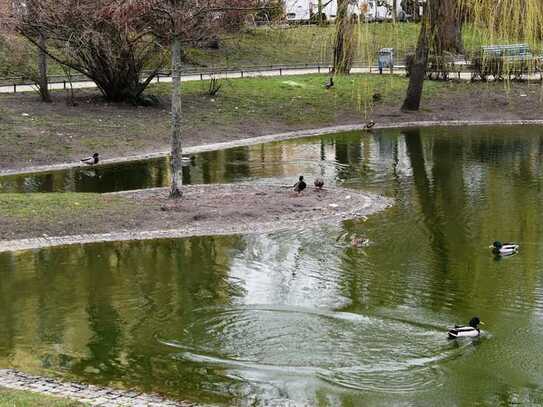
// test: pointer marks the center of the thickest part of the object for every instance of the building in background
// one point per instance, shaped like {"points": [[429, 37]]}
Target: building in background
{"points": [[304, 11]]}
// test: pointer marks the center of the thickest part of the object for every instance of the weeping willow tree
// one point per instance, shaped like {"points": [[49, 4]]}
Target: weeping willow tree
{"points": [[440, 34], [344, 40], [496, 21]]}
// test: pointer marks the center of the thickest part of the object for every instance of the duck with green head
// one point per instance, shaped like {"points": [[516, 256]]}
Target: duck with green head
{"points": [[466, 331]]}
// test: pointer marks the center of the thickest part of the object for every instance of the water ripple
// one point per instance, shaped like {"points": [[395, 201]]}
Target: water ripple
{"points": [[343, 349]]}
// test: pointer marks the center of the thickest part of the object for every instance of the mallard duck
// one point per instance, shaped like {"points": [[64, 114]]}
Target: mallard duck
{"points": [[466, 331], [300, 185], [357, 241], [91, 160], [319, 183], [329, 84], [369, 125], [504, 249]]}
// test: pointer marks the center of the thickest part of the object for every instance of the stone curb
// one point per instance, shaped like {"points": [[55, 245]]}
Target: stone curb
{"points": [[369, 204], [84, 393], [270, 138]]}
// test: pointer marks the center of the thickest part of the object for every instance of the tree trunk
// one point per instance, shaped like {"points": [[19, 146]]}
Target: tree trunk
{"points": [[394, 10], [418, 69], [177, 169], [343, 44], [441, 32], [319, 11], [448, 33], [43, 83]]}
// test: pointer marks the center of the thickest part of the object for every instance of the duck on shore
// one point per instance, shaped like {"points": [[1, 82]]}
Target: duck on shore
{"points": [[466, 331], [504, 249], [329, 84], [319, 183], [300, 185], [369, 125], [93, 160]]}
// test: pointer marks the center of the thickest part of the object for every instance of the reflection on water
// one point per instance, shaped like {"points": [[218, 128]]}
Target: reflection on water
{"points": [[302, 315]]}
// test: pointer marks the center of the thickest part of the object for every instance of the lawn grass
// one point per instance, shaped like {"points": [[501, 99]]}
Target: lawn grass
{"points": [[55, 214], [291, 99], [302, 45], [55, 206], [16, 398], [301, 99]]}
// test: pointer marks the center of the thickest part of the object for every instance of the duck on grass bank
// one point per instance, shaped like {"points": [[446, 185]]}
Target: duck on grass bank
{"points": [[466, 331], [504, 249], [95, 159]]}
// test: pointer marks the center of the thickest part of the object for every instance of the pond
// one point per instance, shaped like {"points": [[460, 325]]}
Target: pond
{"points": [[301, 316]]}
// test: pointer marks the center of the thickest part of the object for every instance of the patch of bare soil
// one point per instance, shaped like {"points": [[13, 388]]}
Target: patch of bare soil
{"points": [[203, 210]]}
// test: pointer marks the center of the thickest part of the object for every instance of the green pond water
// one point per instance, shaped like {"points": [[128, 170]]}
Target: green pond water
{"points": [[300, 317]]}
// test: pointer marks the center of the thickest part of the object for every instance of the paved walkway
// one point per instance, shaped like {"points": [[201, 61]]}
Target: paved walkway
{"points": [[92, 395]]}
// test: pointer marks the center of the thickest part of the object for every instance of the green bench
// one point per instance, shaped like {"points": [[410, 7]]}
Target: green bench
{"points": [[513, 60]]}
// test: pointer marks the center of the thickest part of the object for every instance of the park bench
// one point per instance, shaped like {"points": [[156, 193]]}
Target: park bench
{"points": [[513, 60]]}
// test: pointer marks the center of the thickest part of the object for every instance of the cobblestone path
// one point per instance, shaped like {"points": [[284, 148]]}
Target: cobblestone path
{"points": [[89, 394]]}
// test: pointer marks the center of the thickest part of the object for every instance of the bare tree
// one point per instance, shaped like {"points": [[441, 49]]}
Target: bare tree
{"points": [[20, 56], [179, 24], [82, 35], [42, 70]]}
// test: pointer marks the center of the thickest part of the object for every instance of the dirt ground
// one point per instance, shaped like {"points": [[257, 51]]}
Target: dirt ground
{"points": [[34, 133], [204, 209]]}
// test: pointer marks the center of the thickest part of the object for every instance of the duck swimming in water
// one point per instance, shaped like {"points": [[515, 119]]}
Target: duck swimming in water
{"points": [[357, 241], [504, 249], [466, 331], [95, 159], [300, 185]]}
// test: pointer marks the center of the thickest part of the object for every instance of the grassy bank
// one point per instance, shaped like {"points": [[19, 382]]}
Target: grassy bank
{"points": [[15, 398], [66, 213], [303, 44], [36, 133], [54, 206]]}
